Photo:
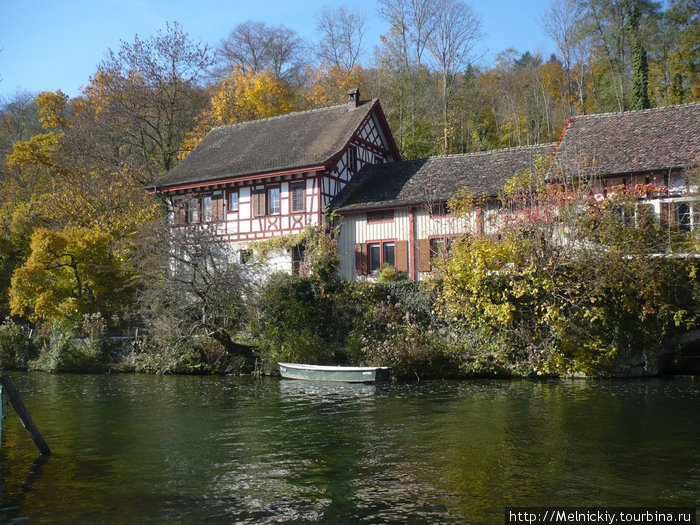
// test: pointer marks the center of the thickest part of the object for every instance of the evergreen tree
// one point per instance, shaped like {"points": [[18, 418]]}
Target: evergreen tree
{"points": [[640, 65]]}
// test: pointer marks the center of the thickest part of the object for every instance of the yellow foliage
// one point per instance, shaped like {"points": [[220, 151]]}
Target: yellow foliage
{"points": [[67, 274], [51, 108], [40, 151], [531, 180], [241, 97], [99, 91], [330, 85]]}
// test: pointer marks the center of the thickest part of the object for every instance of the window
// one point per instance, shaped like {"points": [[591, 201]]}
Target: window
{"points": [[258, 202], [683, 216], [233, 201], [206, 208], [437, 248], [217, 204], [246, 256], [440, 249], [352, 159], [388, 253], [193, 210], [273, 201], [625, 214], [375, 257], [380, 216], [437, 210], [380, 254], [179, 210], [297, 196], [298, 259]]}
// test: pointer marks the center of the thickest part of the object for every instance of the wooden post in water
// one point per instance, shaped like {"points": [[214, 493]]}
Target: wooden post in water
{"points": [[8, 387]]}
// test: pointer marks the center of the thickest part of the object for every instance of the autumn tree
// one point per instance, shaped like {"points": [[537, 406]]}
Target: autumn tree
{"points": [[675, 55], [240, 97], [191, 292], [404, 81], [68, 274], [329, 85], [70, 178], [19, 120], [150, 90], [255, 47], [561, 22]]}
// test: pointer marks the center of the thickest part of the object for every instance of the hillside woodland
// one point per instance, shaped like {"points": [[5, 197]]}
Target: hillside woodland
{"points": [[84, 250]]}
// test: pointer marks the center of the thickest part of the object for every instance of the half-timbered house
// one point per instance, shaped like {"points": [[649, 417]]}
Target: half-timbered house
{"points": [[256, 180]]}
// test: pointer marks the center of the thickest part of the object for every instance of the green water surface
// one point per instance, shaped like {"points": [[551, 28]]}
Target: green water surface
{"points": [[149, 449]]}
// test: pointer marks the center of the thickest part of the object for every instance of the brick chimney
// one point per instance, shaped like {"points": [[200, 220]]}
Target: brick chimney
{"points": [[354, 97]]}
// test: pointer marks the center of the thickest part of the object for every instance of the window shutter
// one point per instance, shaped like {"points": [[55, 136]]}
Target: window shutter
{"points": [[297, 191], [665, 215], [401, 256], [218, 212], [259, 202], [361, 259], [423, 255]]}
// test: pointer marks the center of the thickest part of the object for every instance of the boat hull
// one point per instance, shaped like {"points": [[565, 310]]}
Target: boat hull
{"points": [[344, 374]]}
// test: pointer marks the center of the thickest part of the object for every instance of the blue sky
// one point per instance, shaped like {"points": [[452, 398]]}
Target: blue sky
{"points": [[49, 44]]}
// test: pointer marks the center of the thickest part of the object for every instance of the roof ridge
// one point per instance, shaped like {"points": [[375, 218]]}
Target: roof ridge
{"points": [[285, 115], [490, 151], [633, 111]]}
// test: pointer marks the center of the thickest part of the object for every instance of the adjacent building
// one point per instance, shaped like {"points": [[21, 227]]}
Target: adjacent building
{"points": [[658, 146], [396, 213]]}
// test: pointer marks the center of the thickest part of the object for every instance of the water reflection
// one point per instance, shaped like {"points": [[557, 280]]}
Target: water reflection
{"points": [[324, 390], [220, 449]]}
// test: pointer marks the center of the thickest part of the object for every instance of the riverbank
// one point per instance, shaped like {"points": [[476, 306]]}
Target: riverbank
{"points": [[134, 355]]}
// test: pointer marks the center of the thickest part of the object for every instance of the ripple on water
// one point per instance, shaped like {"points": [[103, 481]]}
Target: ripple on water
{"points": [[220, 449]]}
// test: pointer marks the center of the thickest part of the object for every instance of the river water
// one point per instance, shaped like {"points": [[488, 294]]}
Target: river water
{"points": [[148, 449]]}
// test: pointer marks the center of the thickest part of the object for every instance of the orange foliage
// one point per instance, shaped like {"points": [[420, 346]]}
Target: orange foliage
{"points": [[331, 84], [241, 97]]}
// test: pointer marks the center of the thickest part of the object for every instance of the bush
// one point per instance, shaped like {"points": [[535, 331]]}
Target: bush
{"points": [[394, 326], [199, 356], [292, 323], [16, 348], [560, 314], [62, 352]]}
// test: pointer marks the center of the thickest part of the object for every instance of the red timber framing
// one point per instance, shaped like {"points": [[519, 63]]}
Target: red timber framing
{"points": [[371, 143]]}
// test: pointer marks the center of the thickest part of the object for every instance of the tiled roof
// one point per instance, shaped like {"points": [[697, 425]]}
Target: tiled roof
{"points": [[436, 179], [294, 140], [631, 142]]}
